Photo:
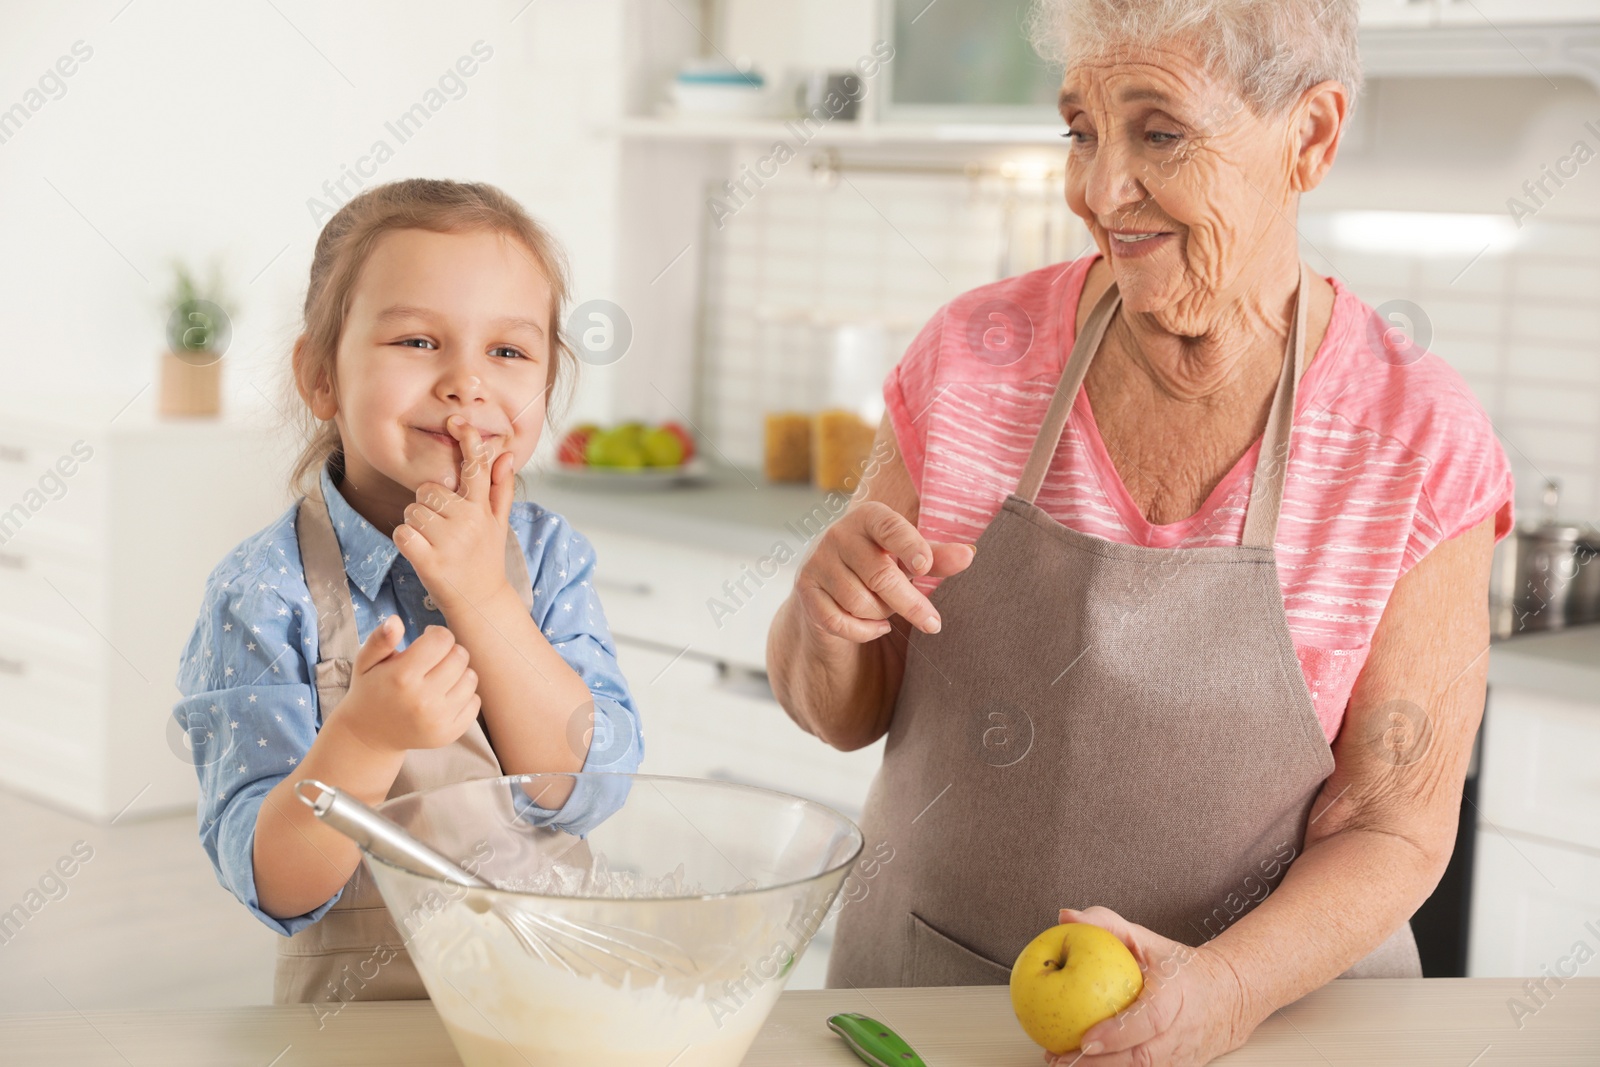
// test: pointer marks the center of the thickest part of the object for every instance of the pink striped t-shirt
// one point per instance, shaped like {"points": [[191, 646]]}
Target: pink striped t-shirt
{"points": [[1390, 455]]}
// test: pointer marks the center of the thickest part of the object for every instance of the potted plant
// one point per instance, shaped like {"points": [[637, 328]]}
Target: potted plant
{"points": [[198, 333]]}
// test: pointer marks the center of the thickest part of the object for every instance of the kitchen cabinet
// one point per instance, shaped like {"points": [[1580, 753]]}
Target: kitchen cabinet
{"points": [[110, 521], [1536, 881], [1379, 13], [713, 603], [1539, 775], [705, 720], [1516, 12], [1533, 903]]}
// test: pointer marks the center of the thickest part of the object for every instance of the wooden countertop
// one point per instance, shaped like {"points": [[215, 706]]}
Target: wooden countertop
{"points": [[1440, 1022]]}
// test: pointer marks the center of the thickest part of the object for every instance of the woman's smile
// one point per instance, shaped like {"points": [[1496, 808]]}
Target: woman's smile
{"points": [[1130, 244]]}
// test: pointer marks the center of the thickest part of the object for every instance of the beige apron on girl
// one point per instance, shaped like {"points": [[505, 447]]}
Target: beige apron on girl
{"points": [[355, 951], [1095, 723]]}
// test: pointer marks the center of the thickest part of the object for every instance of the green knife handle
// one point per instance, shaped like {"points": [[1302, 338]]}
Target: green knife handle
{"points": [[874, 1042]]}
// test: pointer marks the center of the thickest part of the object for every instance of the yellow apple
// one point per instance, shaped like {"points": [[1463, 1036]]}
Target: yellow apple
{"points": [[1069, 978]]}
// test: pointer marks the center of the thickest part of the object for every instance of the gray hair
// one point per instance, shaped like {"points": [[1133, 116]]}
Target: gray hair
{"points": [[1270, 50]]}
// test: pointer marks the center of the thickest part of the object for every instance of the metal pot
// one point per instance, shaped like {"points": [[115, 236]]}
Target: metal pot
{"points": [[1583, 605], [1549, 555]]}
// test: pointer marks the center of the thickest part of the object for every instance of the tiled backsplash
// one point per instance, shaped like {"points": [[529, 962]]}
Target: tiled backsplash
{"points": [[1521, 323], [813, 291]]}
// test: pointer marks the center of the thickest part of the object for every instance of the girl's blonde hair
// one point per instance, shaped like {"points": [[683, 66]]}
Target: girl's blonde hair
{"points": [[342, 250]]}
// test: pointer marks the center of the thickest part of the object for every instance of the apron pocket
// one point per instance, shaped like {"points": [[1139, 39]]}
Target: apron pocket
{"points": [[934, 958]]}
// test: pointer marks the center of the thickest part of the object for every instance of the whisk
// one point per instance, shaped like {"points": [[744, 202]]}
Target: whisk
{"points": [[580, 949]]}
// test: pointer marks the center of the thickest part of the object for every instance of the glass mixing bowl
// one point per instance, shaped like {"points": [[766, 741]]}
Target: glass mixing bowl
{"points": [[659, 917]]}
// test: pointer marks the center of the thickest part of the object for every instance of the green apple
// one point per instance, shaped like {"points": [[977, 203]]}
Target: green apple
{"points": [[1069, 978], [611, 448], [597, 450], [662, 448]]}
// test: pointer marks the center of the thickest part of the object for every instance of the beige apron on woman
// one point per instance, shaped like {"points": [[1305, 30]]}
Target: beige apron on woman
{"points": [[355, 951], [1095, 723]]}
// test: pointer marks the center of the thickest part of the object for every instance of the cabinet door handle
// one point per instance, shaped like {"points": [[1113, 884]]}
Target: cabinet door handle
{"points": [[13, 561], [15, 667], [12, 453], [635, 588]]}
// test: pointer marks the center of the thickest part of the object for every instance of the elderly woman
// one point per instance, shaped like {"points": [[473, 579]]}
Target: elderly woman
{"points": [[1207, 545]]}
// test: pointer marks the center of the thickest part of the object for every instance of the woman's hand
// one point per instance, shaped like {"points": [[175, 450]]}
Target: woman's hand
{"points": [[457, 542], [858, 575], [1192, 1008]]}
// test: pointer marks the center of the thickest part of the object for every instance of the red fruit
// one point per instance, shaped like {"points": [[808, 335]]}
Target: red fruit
{"points": [[683, 435], [570, 452]]}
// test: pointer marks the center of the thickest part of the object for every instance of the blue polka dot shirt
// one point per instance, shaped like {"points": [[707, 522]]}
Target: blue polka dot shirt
{"points": [[247, 675]]}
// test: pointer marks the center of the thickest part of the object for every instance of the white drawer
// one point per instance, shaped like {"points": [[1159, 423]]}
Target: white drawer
{"points": [[696, 725], [47, 487], [1532, 902], [1539, 771], [54, 585], [717, 603], [51, 683]]}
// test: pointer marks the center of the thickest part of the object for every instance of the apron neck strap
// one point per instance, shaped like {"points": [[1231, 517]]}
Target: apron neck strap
{"points": [[326, 578], [1266, 487], [1090, 333], [1266, 494]]}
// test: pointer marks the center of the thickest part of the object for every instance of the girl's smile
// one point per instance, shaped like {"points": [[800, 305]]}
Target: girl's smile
{"points": [[444, 437]]}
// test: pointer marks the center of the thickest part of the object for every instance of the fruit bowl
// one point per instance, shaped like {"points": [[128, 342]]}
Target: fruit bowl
{"points": [[735, 879], [627, 446], [586, 477]]}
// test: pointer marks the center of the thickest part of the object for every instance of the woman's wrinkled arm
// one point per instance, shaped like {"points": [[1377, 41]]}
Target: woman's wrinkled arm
{"points": [[1377, 841], [1384, 826]]}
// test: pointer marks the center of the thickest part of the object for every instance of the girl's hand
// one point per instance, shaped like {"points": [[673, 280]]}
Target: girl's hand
{"points": [[457, 541], [423, 697], [1192, 1008], [858, 576]]}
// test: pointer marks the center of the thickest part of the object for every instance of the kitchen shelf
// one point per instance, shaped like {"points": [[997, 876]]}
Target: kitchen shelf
{"points": [[709, 129], [1387, 51], [1501, 48]]}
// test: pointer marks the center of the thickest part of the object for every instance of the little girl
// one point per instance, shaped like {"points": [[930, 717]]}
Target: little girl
{"points": [[335, 644]]}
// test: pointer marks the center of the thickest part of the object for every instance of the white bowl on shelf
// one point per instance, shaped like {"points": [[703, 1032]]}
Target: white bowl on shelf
{"points": [[721, 91]]}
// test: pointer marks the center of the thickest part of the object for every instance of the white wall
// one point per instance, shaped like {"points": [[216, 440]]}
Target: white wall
{"points": [[819, 33], [201, 128]]}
